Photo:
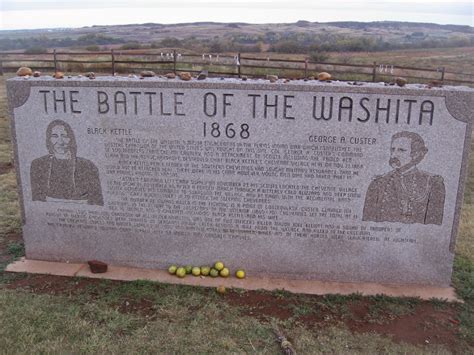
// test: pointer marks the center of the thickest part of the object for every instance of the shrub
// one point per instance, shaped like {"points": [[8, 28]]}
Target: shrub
{"points": [[170, 42], [131, 45], [93, 48], [318, 57], [36, 50], [287, 46]]}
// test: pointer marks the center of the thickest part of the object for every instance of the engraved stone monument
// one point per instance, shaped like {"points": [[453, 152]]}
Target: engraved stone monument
{"points": [[313, 180]]}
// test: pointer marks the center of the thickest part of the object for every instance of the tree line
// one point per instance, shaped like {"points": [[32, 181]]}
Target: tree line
{"points": [[281, 42]]}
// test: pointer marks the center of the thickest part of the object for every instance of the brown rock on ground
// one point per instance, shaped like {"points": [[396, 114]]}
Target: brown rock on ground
{"points": [[24, 71], [97, 267], [90, 75], [37, 74], [170, 75], [323, 76], [401, 81], [186, 76], [147, 74]]}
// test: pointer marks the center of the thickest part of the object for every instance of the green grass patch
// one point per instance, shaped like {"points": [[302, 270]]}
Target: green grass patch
{"points": [[42, 323], [16, 250], [463, 280], [9, 206]]}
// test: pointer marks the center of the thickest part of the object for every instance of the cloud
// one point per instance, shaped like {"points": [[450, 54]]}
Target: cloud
{"points": [[53, 14]]}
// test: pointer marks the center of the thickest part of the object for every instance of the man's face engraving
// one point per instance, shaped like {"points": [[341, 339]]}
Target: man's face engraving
{"points": [[60, 140], [400, 152]]}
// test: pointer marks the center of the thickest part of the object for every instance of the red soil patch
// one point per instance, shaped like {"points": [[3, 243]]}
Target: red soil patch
{"points": [[260, 305], [55, 285], [424, 325], [143, 307]]}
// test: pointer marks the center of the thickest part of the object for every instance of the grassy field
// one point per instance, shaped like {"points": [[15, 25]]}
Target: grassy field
{"points": [[41, 313]]}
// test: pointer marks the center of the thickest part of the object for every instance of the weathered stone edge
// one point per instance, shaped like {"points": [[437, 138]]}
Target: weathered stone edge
{"points": [[462, 180], [17, 95]]}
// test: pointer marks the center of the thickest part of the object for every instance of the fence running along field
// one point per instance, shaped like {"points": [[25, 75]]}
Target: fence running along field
{"points": [[238, 65]]}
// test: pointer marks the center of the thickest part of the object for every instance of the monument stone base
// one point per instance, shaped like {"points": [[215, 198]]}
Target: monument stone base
{"points": [[312, 287]]}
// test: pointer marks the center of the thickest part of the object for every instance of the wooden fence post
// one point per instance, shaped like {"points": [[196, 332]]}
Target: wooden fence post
{"points": [[55, 61], [174, 61], [113, 61], [238, 65], [1, 67], [306, 68], [442, 73], [374, 71]]}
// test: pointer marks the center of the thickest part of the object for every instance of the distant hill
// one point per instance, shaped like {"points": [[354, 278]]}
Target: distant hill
{"points": [[299, 37]]}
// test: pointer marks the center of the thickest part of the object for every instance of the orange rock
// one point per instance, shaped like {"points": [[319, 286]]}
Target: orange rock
{"points": [[58, 75], [23, 71], [323, 76], [185, 76]]}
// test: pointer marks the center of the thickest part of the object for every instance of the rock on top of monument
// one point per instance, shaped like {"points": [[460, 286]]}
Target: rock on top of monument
{"points": [[58, 75], [323, 76], [147, 74], [244, 80], [24, 71], [203, 75], [401, 81], [186, 76], [272, 78]]}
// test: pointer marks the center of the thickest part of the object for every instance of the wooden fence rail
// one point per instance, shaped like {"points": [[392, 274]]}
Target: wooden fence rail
{"points": [[126, 61]]}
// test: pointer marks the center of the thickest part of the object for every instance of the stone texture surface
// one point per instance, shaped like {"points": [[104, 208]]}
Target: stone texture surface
{"points": [[135, 172], [44, 267]]}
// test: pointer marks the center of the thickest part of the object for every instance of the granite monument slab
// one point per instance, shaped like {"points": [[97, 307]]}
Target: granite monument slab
{"points": [[301, 179]]}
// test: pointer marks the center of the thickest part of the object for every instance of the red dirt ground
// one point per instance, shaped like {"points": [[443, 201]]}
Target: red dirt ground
{"points": [[422, 326]]}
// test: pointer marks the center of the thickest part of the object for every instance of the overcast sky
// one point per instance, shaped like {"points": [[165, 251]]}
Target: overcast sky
{"points": [[29, 14]]}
